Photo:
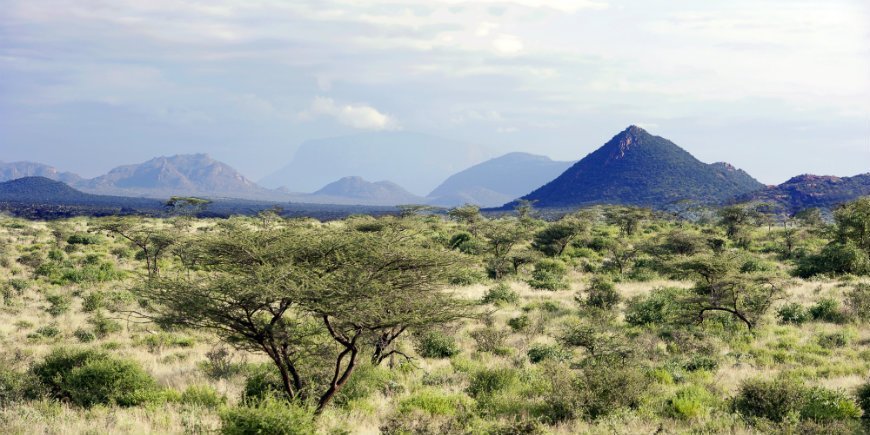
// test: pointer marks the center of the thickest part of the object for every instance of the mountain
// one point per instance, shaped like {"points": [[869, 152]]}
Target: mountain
{"points": [[40, 189], [14, 170], [637, 168], [497, 181], [808, 191], [416, 161], [358, 191], [190, 174]]}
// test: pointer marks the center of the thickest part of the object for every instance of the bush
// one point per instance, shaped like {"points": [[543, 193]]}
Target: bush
{"points": [[366, 380], [863, 394], [84, 336], [770, 399], [500, 294], [691, 402], [660, 307], [202, 395], [489, 381], [84, 239], [549, 274], [518, 324], [58, 303], [858, 302], [835, 259], [103, 326], [88, 377], [827, 310], [601, 294], [268, 416], [837, 339], [434, 344], [822, 404], [263, 381], [16, 387], [48, 331], [543, 352], [793, 313], [489, 339]]}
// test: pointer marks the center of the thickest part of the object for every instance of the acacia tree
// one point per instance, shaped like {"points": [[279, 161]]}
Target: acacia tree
{"points": [[150, 238], [306, 296], [553, 239], [722, 287]]}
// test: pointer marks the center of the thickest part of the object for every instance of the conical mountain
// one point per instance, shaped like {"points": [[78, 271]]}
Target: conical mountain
{"points": [[356, 190], [637, 168]]}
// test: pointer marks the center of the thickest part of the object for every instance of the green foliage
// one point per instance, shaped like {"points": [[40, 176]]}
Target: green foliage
{"points": [[263, 381], [436, 344], [549, 274], [103, 326], [88, 378], [502, 293], [793, 313], [58, 303], [600, 294], [543, 352], [434, 402], [367, 380], [489, 381], [84, 239], [835, 259], [863, 396], [858, 302], [691, 402], [84, 336], [268, 416], [520, 323], [202, 395], [660, 307], [782, 398], [827, 310], [489, 339]]}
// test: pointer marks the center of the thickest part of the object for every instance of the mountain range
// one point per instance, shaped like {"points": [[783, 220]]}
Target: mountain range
{"points": [[634, 167]]}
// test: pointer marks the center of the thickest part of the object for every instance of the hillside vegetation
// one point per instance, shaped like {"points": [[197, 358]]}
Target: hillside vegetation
{"points": [[609, 320]]}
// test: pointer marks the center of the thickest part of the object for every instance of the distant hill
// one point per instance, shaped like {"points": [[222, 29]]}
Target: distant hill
{"points": [[41, 189], [637, 168], [497, 181], [358, 191], [808, 191], [15, 170], [191, 174], [415, 161]]}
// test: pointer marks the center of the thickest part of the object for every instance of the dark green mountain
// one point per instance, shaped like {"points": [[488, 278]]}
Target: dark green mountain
{"points": [[637, 168], [497, 181], [808, 191]]}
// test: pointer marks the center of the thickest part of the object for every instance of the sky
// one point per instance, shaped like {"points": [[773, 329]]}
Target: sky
{"points": [[777, 88]]}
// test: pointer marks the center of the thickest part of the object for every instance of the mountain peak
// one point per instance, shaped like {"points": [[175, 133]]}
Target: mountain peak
{"points": [[625, 141]]}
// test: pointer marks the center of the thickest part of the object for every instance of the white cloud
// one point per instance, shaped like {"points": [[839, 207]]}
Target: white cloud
{"points": [[353, 115], [507, 44]]}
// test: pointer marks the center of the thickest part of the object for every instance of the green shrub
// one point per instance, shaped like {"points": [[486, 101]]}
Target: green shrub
{"points": [[660, 307], [822, 404], [48, 331], [159, 341], [489, 339], [772, 399], [549, 274], [103, 326], [835, 259], [202, 395], [84, 336], [16, 387], [58, 303], [263, 381], [543, 352], [858, 302], [836, 339], [691, 402], [793, 313], [601, 294], [488, 381], [84, 239], [863, 395], [268, 416], [435, 344], [500, 294], [827, 310], [88, 377], [518, 324], [366, 381], [701, 362]]}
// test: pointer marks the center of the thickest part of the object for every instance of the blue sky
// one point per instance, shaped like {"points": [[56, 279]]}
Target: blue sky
{"points": [[775, 87]]}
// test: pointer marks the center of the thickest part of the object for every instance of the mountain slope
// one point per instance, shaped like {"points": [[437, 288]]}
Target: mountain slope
{"points": [[416, 161], [15, 170], [637, 168], [191, 174], [497, 181], [808, 191], [356, 190]]}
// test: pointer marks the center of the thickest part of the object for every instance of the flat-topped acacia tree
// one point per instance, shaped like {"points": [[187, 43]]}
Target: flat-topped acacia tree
{"points": [[308, 295]]}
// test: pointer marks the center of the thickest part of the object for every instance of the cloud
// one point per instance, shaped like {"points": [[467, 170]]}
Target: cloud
{"points": [[359, 116], [507, 44]]}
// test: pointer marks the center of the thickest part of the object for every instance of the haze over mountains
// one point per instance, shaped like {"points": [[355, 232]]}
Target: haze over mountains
{"points": [[634, 168], [417, 162]]}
